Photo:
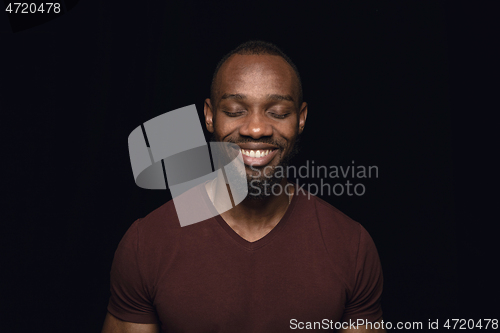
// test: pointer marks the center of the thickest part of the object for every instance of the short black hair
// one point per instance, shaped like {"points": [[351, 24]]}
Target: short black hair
{"points": [[256, 47]]}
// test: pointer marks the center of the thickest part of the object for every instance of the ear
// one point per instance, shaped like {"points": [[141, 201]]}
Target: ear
{"points": [[302, 117], [209, 115]]}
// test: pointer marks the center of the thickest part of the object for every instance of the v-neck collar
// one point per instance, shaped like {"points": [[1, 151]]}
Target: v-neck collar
{"points": [[252, 246]]}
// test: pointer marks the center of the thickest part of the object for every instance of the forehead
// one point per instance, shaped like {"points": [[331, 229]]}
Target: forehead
{"points": [[256, 75]]}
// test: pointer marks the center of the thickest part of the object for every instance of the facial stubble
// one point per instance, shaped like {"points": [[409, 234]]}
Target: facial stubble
{"points": [[260, 181]]}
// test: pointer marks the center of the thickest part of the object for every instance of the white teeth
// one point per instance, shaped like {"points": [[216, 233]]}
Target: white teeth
{"points": [[255, 153]]}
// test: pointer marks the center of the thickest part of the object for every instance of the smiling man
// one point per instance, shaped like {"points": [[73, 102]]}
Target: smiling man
{"points": [[276, 262]]}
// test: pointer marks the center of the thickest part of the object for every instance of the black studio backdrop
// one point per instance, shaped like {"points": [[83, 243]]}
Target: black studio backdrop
{"points": [[384, 82]]}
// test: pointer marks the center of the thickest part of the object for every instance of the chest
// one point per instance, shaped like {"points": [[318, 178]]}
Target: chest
{"points": [[225, 291]]}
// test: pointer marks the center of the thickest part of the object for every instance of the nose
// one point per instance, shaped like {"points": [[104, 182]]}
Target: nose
{"points": [[256, 126]]}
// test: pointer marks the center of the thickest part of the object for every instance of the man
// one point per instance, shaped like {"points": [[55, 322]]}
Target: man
{"points": [[273, 263]]}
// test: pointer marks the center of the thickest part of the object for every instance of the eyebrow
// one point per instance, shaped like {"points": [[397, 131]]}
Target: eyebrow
{"points": [[277, 97], [274, 97], [233, 96]]}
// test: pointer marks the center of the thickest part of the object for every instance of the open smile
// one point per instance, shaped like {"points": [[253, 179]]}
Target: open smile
{"points": [[258, 154], [258, 157]]}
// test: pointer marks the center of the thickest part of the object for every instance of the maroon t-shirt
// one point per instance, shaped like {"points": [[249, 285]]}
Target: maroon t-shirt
{"points": [[316, 264]]}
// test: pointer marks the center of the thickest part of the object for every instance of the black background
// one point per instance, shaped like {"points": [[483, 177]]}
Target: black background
{"points": [[407, 86]]}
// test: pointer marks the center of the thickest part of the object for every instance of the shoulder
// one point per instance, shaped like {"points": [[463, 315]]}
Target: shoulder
{"points": [[159, 223], [165, 220], [161, 220], [159, 233], [149, 243], [333, 223], [343, 238]]}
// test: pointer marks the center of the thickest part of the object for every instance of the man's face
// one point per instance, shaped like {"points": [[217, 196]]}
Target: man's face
{"points": [[256, 107]]}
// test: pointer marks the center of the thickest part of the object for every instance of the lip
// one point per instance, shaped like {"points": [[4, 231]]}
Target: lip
{"points": [[257, 146], [259, 161]]}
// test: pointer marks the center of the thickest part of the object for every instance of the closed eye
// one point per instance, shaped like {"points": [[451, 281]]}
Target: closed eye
{"points": [[233, 114], [279, 116]]}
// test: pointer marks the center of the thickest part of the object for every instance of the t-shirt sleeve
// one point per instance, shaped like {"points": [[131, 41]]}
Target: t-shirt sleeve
{"points": [[364, 301], [130, 300]]}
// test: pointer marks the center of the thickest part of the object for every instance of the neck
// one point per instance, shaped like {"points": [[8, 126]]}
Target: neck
{"points": [[253, 218]]}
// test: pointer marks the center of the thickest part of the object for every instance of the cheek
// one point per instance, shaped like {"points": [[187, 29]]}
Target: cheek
{"points": [[288, 131], [224, 126], [225, 130], [220, 128]]}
